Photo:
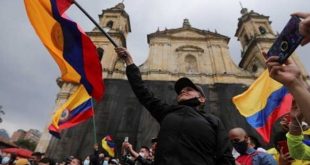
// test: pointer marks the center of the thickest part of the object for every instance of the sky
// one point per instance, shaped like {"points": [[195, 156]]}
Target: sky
{"points": [[28, 86]]}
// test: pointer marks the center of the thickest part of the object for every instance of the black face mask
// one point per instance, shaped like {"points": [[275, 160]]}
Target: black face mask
{"points": [[194, 102], [240, 147]]}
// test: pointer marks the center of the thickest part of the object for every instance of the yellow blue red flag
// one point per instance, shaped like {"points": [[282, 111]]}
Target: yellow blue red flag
{"points": [[108, 145], [76, 109], [70, 47], [265, 101]]}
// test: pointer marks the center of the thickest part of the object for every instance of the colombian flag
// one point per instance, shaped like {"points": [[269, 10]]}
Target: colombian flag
{"points": [[108, 145], [263, 103], [70, 47], [75, 110]]}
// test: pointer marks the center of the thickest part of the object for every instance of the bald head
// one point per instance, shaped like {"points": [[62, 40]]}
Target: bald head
{"points": [[239, 131], [237, 134]]}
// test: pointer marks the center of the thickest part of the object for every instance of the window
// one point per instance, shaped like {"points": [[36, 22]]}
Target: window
{"points": [[191, 64], [254, 68], [100, 52], [110, 24], [262, 30], [246, 39], [119, 65]]}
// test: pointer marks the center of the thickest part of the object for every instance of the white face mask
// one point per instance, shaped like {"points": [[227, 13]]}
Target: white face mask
{"points": [[5, 160], [142, 154], [86, 162], [105, 162]]}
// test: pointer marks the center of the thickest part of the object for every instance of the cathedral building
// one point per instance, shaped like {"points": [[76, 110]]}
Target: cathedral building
{"points": [[201, 55]]}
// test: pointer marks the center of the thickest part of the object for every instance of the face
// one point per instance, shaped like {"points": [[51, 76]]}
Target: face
{"points": [[35, 158], [285, 120], [154, 145], [75, 162], [144, 151], [101, 155], [189, 93]]}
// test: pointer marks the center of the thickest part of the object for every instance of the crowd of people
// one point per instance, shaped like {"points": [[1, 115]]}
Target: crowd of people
{"points": [[188, 135], [99, 157]]}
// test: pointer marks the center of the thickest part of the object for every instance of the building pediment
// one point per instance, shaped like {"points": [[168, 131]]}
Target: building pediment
{"points": [[187, 32]]}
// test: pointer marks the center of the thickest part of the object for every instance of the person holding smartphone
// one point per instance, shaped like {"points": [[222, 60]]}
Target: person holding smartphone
{"points": [[131, 157], [290, 76]]}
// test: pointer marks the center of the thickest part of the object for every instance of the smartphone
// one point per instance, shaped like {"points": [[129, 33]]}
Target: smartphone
{"points": [[287, 41], [126, 139], [283, 145]]}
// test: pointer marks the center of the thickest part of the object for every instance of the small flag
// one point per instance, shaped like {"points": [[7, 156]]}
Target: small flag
{"points": [[76, 109], [108, 145]]}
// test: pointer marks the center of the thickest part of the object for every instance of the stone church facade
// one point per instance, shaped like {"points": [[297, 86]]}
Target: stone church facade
{"points": [[201, 55]]}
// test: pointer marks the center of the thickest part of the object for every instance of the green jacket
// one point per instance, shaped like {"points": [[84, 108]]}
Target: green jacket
{"points": [[297, 149]]}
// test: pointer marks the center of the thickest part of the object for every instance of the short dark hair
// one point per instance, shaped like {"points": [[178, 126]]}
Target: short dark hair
{"points": [[255, 141], [79, 160], [47, 160], [37, 154], [145, 147], [154, 140]]}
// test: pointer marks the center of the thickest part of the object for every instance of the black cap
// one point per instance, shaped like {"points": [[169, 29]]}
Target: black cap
{"points": [[154, 140], [186, 82]]}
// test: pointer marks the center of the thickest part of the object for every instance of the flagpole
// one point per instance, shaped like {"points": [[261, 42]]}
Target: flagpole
{"points": [[94, 123], [97, 25]]}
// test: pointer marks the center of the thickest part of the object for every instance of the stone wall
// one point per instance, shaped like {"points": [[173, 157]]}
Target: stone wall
{"points": [[120, 114]]}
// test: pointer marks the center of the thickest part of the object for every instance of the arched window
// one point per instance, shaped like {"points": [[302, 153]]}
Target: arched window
{"points": [[262, 30], [246, 39], [119, 65], [191, 65], [254, 68], [110, 24], [100, 52]]}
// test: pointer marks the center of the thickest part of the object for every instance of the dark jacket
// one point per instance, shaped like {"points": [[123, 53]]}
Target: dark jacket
{"points": [[187, 136]]}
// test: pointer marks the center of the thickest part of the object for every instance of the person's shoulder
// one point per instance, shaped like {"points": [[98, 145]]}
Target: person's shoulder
{"points": [[211, 116], [264, 155], [212, 119]]}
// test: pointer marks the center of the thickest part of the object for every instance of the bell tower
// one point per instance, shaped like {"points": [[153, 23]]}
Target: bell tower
{"points": [[256, 36], [115, 21]]}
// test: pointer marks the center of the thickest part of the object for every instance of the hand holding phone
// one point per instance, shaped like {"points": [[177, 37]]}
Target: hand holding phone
{"points": [[287, 41], [126, 139]]}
